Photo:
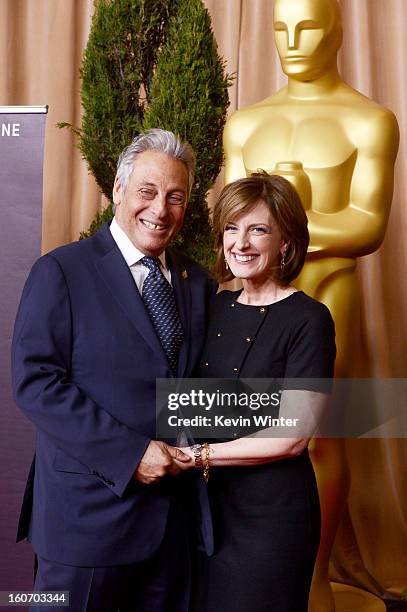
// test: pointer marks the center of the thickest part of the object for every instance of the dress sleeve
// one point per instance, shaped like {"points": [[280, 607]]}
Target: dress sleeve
{"points": [[311, 352]]}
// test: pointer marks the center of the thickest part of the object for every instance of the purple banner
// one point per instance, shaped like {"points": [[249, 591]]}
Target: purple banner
{"points": [[21, 163]]}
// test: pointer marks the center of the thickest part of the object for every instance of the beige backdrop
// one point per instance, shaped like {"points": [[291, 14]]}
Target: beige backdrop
{"points": [[41, 42]]}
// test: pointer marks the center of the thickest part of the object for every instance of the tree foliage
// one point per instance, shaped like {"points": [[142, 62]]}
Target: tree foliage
{"points": [[154, 63]]}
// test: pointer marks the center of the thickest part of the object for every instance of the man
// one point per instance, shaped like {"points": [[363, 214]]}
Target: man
{"points": [[99, 321]]}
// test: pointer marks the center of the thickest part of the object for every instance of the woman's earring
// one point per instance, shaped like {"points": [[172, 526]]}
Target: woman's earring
{"points": [[282, 262], [226, 264]]}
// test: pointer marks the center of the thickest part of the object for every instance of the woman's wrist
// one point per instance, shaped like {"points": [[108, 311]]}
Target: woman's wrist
{"points": [[206, 450], [201, 455], [196, 450]]}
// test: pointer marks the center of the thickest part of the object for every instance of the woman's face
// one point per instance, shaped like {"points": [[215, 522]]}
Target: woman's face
{"points": [[253, 245]]}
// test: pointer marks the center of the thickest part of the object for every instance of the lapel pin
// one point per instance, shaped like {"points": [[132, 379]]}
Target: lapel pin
{"points": [[184, 274]]}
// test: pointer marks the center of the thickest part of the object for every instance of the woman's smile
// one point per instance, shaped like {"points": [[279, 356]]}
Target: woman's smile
{"points": [[244, 259]]}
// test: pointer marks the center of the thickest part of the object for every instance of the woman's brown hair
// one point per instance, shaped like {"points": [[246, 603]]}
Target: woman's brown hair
{"points": [[282, 199]]}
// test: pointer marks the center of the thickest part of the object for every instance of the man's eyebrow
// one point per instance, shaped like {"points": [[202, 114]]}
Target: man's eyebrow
{"points": [[178, 189], [146, 184]]}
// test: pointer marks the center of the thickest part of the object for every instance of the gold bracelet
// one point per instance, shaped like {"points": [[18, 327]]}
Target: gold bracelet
{"points": [[205, 447]]}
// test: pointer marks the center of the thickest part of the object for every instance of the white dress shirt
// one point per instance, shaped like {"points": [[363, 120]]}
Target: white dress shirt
{"points": [[132, 256]]}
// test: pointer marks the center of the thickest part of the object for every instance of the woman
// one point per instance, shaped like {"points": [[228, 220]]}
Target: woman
{"points": [[262, 489]]}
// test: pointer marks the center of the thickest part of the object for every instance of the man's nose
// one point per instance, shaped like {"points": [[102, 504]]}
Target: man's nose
{"points": [[159, 205]]}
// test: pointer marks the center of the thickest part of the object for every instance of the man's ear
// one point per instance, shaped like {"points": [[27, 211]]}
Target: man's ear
{"points": [[117, 191]]}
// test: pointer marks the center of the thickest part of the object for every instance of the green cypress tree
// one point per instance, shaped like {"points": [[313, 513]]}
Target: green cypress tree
{"points": [[154, 63]]}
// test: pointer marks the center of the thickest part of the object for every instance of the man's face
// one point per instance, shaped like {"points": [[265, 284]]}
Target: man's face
{"points": [[306, 40], [152, 208]]}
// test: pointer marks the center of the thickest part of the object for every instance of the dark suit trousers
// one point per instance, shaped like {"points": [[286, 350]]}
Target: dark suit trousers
{"points": [[160, 584]]}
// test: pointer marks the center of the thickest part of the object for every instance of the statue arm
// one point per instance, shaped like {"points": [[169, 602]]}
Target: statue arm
{"points": [[234, 136], [359, 228]]}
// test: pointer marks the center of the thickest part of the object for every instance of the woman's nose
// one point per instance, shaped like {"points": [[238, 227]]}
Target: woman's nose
{"points": [[242, 241]]}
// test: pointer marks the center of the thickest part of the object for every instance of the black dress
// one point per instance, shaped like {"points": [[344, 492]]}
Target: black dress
{"points": [[266, 517]]}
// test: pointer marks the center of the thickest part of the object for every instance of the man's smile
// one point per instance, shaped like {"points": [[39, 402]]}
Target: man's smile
{"points": [[154, 226]]}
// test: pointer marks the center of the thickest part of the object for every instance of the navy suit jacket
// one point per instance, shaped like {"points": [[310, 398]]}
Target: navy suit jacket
{"points": [[85, 358]]}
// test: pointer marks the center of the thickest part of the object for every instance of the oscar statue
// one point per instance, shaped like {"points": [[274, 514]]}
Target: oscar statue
{"points": [[338, 148]]}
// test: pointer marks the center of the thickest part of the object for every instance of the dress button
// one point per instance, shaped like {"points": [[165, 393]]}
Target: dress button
{"points": [[218, 334], [248, 339], [206, 363], [262, 310], [235, 369], [232, 305]]}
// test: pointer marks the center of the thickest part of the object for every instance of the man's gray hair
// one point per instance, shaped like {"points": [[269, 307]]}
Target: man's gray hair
{"points": [[159, 140]]}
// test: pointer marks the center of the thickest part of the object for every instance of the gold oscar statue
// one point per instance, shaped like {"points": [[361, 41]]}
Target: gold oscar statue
{"points": [[338, 148]]}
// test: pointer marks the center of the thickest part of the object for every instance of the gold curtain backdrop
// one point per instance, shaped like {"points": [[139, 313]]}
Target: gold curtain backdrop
{"points": [[41, 45]]}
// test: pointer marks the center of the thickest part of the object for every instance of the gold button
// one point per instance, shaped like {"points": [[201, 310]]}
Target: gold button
{"points": [[232, 305], [218, 334], [262, 310], [235, 369], [248, 339]]}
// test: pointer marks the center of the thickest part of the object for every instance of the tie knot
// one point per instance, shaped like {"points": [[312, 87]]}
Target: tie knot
{"points": [[152, 263]]}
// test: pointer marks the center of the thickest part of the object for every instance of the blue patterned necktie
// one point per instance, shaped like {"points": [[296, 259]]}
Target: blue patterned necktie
{"points": [[158, 297]]}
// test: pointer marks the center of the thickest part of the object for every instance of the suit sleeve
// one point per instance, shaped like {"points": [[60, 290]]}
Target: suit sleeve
{"points": [[43, 389]]}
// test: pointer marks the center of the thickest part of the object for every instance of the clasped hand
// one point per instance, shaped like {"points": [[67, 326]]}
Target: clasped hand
{"points": [[161, 459]]}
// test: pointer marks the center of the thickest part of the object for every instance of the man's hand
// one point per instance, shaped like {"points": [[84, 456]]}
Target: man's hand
{"points": [[159, 460]]}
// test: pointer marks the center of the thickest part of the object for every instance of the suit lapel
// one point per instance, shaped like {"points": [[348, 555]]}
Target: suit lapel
{"points": [[182, 290], [117, 276]]}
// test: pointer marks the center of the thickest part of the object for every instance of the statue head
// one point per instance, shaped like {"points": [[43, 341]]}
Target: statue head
{"points": [[308, 35]]}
